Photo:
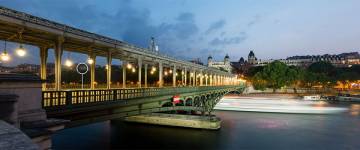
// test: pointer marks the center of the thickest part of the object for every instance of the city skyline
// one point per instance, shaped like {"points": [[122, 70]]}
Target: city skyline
{"points": [[183, 29]]}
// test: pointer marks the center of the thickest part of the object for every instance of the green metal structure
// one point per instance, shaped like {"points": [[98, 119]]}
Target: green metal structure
{"points": [[88, 106]]}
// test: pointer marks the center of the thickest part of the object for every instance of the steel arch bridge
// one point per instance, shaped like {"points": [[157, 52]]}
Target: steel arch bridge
{"points": [[88, 106]]}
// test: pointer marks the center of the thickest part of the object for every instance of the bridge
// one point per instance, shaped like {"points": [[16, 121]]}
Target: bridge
{"points": [[199, 87]]}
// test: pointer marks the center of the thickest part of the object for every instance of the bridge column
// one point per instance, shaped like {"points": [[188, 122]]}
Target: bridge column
{"points": [[145, 74], [210, 80], [161, 72], [58, 56], [174, 75], [43, 62], [194, 78], [92, 71], [185, 75], [214, 80], [124, 65], [206, 79], [182, 77], [201, 75], [222, 80], [139, 72], [108, 71]]}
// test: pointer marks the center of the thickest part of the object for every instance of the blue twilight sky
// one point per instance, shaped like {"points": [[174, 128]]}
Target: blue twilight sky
{"points": [[198, 28]]}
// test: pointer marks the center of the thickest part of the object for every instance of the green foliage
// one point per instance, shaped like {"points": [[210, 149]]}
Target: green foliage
{"points": [[276, 75], [258, 82], [322, 67], [253, 70]]}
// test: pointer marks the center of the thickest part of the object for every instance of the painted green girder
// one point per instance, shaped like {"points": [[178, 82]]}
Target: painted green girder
{"points": [[86, 106]]}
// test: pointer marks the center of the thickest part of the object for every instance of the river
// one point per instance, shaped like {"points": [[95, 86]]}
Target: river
{"points": [[240, 130]]}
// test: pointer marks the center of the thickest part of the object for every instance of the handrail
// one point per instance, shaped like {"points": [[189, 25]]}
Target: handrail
{"points": [[55, 99]]}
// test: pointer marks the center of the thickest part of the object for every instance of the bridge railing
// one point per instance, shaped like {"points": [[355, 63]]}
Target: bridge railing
{"points": [[55, 99]]}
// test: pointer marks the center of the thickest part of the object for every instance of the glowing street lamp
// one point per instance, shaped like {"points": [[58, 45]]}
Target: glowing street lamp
{"points": [[129, 66], [170, 71], [90, 61], [68, 63], [153, 69], [133, 70], [21, 51], [4, 55]]}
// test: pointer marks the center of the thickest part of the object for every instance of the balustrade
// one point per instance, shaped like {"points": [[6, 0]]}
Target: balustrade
{"points": [[56, 99]]}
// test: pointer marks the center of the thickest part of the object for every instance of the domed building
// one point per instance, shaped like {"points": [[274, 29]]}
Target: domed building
{"points": [[251, 58], [222, 65]]}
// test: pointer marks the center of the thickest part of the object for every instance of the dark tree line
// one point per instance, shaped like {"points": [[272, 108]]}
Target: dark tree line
{"points": [[320, 74]]}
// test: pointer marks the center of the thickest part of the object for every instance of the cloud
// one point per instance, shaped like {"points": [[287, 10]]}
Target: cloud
{"points": [[229, 40], [254, 21], [183, 27], [215, 26], [128, 22], [212, 51]]}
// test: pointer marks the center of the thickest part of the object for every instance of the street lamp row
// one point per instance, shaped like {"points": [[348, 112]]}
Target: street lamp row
{"points": [[20, 51]]}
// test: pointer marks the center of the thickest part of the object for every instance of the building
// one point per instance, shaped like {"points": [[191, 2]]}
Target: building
{"points": [[340, 60], [197, 61], [28, 69], [222, 65]]}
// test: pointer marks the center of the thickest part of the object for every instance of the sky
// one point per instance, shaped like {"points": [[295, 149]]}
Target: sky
{"points": [[190, 29]]}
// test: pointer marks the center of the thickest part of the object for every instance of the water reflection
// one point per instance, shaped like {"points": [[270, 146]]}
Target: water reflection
{"points": [[355, 109], [240, 130], [284, 105]]}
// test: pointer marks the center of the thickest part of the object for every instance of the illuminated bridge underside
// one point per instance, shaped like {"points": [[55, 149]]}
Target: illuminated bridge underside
{"points": [[88, 106], [20, 27]]}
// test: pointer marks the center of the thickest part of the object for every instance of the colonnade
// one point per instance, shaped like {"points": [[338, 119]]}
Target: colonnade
{"points": [[189, 75]]}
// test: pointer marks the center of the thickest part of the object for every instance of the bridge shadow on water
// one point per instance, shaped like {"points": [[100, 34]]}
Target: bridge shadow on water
{"points": [[117, 134], [240, 130]]}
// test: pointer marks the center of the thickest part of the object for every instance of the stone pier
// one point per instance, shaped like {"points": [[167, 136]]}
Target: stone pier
{"points": [[177, 120], [20, 106]]}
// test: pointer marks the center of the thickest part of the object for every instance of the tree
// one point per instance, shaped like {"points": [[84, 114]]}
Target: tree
{"points": [[275, 75], [322, 67], [258, 82], [253, 70], [346, 77], [294, 76]]}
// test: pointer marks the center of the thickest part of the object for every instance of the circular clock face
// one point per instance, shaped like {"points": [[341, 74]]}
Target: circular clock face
{"points": [[82, 68]]}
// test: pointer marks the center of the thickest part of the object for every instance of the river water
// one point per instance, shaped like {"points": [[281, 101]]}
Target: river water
{"points": [[240, 130]]}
